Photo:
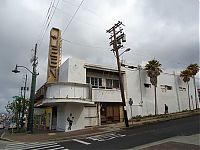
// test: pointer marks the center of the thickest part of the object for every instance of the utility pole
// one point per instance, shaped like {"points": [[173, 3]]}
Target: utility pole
{"points": [[32, 94], [117, 37]]}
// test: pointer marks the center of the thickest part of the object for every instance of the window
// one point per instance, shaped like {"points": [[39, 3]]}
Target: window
{"points": [[92, 81], [169, 87], [95, 82], [116, 84], [182, 89], [147, 85], [164, 88], [109, 83], [87, 79], [100, 82]]}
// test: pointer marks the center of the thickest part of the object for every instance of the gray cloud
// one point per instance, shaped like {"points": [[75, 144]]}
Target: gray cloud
{"points": [[166, 30]]}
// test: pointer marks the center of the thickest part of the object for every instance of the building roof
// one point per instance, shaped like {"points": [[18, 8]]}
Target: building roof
{"points": [[102, 68]]}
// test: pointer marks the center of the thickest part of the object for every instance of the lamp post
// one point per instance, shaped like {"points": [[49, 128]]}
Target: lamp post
{"points": [[32, 94]]}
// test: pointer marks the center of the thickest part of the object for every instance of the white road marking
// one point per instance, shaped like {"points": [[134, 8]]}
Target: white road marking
{"points": [[57, 148], [35, 143], [29, 146], [36, 146], [83, 142], [105, 137]]}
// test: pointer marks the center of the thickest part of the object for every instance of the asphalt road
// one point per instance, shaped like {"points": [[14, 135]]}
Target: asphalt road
{"points": [[133, 137]]}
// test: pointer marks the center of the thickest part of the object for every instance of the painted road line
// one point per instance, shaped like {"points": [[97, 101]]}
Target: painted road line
{"points": [[92, 138], [105, 137], [57, 148], [47, 147], [28, 146], [82, 142], [121, 135], [31, 146]]}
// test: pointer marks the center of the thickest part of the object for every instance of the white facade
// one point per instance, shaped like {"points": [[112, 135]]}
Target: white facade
{"points": [[72, 95], [72, 70], [171, 90], [84, 116]]}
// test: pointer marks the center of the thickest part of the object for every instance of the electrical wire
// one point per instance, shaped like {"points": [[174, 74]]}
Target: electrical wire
{"points": [[73, 16], [46, 19], [80, 44], [50, 20]]}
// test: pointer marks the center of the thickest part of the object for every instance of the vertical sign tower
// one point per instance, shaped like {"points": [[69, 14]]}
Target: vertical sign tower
{"points": [[54, 58]]}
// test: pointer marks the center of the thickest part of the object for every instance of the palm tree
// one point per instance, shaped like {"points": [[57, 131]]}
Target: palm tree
{"points": [[153, 71], [185, 74], [194, 69]]}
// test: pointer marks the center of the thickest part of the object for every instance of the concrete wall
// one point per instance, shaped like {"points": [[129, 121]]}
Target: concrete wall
{"points": [[68, 90], [143, 97], [80, 113], [106, 95], [72, 70]]}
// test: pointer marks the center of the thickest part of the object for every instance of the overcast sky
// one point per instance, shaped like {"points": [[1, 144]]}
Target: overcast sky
{"points": [[167, 30]]}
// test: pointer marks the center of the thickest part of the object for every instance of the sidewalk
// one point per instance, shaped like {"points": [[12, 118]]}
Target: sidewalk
{"points": [[176, 143], [46, 135]]}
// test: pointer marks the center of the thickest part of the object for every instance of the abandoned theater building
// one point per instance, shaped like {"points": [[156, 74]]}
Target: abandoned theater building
{"points": [[91, 94], [82, 95]]}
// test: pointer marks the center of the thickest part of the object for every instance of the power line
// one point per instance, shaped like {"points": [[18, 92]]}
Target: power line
{"points": [[80, 44], [79, 21], [73, 16], [50, 20], [46, 19]]}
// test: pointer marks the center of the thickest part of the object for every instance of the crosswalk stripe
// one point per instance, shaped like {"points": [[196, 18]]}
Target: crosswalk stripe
{"points": [[30, 143], [28, 146], [79, 141], [35, 146]]}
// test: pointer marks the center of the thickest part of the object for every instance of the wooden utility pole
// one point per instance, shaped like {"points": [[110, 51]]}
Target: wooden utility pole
{"points": [[117, 37]]}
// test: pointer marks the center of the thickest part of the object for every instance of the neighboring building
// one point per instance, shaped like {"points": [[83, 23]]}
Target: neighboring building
{"points": [[89, 95]]}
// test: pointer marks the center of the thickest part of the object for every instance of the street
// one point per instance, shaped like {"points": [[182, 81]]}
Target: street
{"points": [[125, 139], [130, 138]]}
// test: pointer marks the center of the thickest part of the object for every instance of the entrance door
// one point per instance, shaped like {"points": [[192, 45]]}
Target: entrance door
{"points": [[54, 118], [110, 113], [116, 114]]}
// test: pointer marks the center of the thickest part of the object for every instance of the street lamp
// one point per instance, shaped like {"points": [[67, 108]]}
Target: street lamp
{"points": [[17, 71], [128, 49], [32, 94]]}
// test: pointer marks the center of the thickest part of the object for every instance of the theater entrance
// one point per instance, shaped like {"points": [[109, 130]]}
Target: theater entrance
{"points": [[110, 113]]}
